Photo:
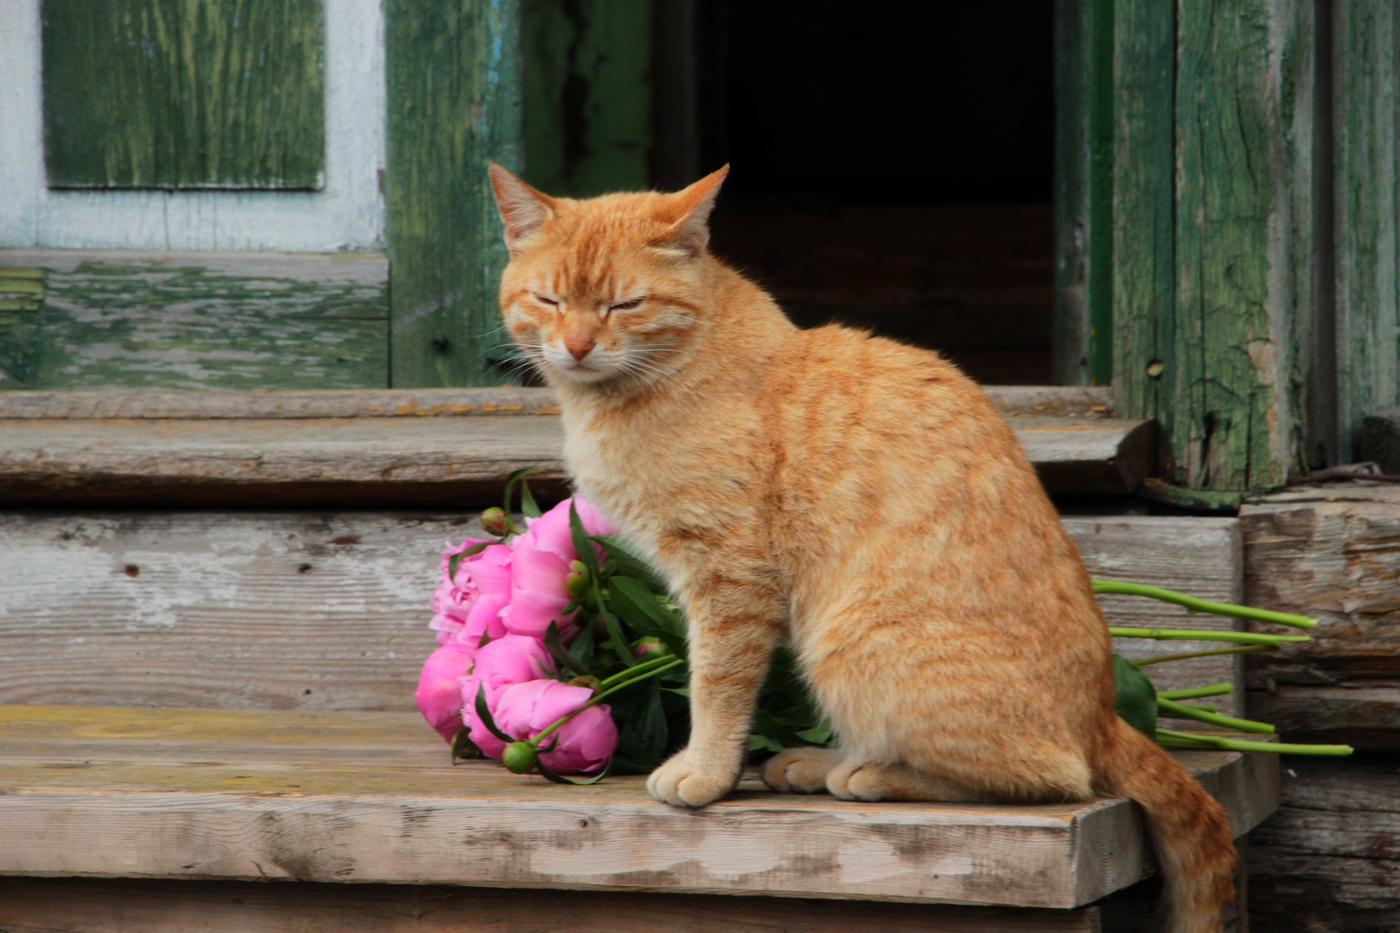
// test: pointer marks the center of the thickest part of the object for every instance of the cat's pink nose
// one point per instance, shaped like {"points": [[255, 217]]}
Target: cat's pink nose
{"points": [[579, 347]]}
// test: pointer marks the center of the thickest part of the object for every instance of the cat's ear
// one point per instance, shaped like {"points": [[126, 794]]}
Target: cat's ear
{"points": [[522, 208], [690, 230]]}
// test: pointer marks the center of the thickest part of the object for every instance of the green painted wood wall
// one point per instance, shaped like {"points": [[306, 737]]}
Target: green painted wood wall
{"points": [[1215, 232], [588, 95], [453, 72], [183, 94]]}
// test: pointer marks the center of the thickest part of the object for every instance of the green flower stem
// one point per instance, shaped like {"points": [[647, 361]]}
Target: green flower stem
{"points": [[1174, 710], [1186, 634], [1201, 605], [632, 675], [1239, 649], [640, 671], [1169, 738], [1194, 693]]}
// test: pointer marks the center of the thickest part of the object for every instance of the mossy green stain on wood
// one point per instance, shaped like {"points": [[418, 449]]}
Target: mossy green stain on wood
{"points": [[192, 321], [587, 95], [454, 104], [183, 94]]}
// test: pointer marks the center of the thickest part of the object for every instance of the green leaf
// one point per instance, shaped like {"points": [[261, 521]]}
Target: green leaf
{"points": [[549, 775], [640, 608], [583, 648], [511, 480], [463, 748], [1136, 700], [642, 733], [616, 639], [582, 544], [455, 560], [527, 501], [554, 644], [621, 559], [483, 713]]}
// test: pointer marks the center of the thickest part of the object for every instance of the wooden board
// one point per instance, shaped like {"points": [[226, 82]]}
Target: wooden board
{"points": [[407, 462], [100, 319], [330, 611], [90, 905], [1329, 859], [1065, 401], [453, 75], [1329, 552], [174, 95], [371, 797]]}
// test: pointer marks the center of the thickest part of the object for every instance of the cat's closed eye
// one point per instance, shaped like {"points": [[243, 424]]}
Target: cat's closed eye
{"points": [[552, 302], [626, 305]]}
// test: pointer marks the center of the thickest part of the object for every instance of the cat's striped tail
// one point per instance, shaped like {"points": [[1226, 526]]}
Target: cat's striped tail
{"points": [[1190, 830]]}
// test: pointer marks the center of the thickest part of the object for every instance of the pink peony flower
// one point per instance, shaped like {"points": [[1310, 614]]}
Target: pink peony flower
{"points": [[469, 605], [540, 570], [499, 665], [439, 694], [583, 744]]}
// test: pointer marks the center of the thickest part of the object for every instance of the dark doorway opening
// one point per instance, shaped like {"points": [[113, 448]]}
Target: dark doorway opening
{"points": [[892, 163]]}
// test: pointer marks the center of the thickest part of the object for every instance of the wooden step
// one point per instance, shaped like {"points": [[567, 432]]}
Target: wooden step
{"points": [[366, 797], [330, 611], [403, 448]]}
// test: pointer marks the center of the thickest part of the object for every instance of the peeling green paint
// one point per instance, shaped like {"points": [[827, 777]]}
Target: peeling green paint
{"points": [[187, 321]]}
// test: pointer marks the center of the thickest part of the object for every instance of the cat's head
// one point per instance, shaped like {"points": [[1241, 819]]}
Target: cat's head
{"points": [[605, 291]]}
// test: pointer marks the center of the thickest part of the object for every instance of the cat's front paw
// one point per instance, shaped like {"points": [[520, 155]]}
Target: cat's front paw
{"points": [[687, 780]]}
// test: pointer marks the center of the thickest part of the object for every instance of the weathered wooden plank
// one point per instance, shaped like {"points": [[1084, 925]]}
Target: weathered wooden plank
{"points": [[1230, 420], [1366, 118], [587, 120], [409, 461], [1364, 714], [183, 94], [454, 80], [109, 319], [91, 905], [1084, 130], [1330, 552], [1329, 859], [1065, 401], [1200, 556], [371, 797], [1144, 248], [330, 611]]}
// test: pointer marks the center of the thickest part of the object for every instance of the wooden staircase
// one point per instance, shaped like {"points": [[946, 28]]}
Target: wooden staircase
{"points": [[213, 609]]}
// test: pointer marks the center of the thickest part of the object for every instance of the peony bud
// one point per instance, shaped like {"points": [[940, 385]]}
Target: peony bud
{"points": [[650, 647], [576, 583], [495, 521], [519, 758]]}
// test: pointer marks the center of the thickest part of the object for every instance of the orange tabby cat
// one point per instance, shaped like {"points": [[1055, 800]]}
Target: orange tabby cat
{"points": [[858, 497]]}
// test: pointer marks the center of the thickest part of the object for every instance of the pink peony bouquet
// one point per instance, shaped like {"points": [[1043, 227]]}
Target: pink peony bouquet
{"points": [[538, 625]]}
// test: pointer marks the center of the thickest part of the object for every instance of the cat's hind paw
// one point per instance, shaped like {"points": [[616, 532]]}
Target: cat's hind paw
{"points": [[684, 781], [800, 770]]}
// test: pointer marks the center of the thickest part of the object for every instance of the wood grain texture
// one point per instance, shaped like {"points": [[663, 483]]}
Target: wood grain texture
{"points": [[183, 94], [109, 319], [1329, 859], [330, 611], [1064, 401], [454, 79], [370, 797], [1366, 118], [410, 461], [1214, 251], [88, 905], [1329, 552]]}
